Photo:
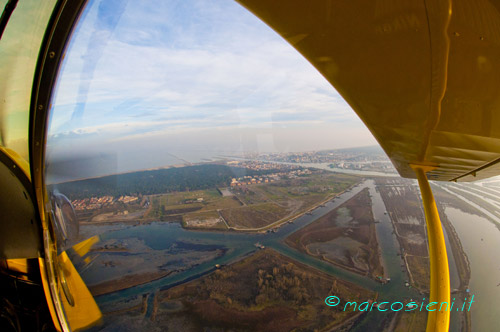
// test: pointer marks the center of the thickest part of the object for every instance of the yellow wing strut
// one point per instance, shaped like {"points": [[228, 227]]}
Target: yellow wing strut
{"points": [[437, 320]]}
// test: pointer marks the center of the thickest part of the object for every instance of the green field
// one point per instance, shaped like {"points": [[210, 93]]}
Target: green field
{"points": [[251, 207]]}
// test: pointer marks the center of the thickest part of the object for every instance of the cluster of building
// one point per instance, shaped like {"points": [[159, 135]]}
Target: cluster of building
{"points": [[94, 203], [326, 156], [249, 180], [127, 199], [258, 165], [299, 157], [346, 159], [193, 200], [365, 165]]}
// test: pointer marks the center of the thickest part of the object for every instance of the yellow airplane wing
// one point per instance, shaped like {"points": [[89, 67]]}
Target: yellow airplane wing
{"points": [[422, 75]]}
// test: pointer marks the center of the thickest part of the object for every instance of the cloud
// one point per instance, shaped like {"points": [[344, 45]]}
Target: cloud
{"points": [[189, 68]]}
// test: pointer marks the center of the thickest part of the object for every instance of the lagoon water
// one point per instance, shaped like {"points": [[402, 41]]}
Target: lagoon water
{"points": [[160, 236], [481, 242]]}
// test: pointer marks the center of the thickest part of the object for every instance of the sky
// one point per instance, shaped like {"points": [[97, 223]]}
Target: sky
{"points": [[152, 83]]}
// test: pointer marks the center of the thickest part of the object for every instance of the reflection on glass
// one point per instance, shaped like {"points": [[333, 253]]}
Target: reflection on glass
{"points": [[19, 48], [65, 220], [202, 159]]}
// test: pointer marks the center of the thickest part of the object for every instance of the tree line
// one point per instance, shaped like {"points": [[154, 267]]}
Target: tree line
{"points": [[197, 177]]}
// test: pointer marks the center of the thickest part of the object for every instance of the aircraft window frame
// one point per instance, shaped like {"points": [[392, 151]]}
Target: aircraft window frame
{"points": [[64, 18]]}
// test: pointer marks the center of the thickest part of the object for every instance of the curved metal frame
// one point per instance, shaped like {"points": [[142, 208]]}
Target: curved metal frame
{"points": [[59, 28]]}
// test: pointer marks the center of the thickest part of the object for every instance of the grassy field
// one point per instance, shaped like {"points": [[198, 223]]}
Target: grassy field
{"points": [[210, 219], [250, 207], [117, 212], [254, 207], [258, 215]]}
